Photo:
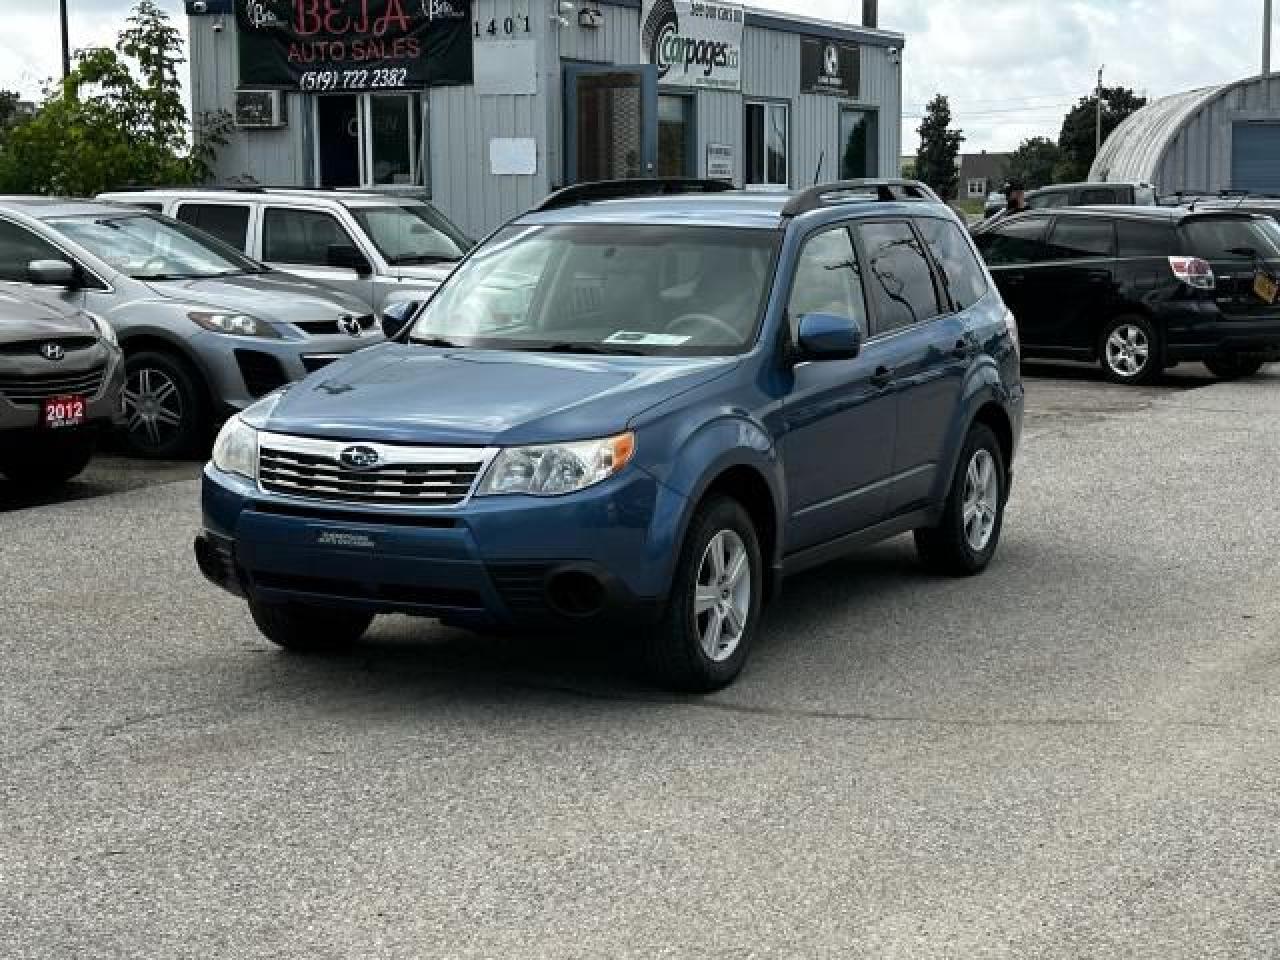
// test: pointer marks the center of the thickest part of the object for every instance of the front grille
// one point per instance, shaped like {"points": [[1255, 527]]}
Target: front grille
{"points": [[262, 372], [323, 327], [323, 477], [31, 390], [395, 593], [31, 348]]}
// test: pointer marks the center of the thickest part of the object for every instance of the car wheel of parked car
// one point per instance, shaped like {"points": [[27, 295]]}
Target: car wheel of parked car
{"points": [[1129, 350], [1233, 368], [163, 405], [965, 539], [47, 463], [305, 629], [703, 638]]}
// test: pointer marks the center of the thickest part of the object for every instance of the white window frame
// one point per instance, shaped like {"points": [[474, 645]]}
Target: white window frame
{"points": [[766, 105], [977, 187], [364, 136]]}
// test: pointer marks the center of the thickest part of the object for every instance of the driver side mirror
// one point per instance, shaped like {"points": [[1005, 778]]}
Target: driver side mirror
{"points": [[398, 316], [828, 336], [51, 273], [346, 256]]}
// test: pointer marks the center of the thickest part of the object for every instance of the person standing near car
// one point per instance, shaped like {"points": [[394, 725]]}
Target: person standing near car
{"points": [[1015, 195]]}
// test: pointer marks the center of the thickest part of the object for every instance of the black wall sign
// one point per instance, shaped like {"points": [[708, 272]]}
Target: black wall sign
{"points": [[328, 46], [829, 67]]}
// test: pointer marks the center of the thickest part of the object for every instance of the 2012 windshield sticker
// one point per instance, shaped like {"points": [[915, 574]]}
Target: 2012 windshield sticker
{"points": [[647, 339]]}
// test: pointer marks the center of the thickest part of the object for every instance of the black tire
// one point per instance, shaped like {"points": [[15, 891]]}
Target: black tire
{"points": [[47, 462], [674, 654], [1112, 358], [303, 629], [1233, 367], [161, 440], [947, 548]]}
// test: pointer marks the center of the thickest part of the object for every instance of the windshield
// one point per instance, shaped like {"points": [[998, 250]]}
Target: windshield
{"points": [[412, 233], [607, 288], [146, 246]]}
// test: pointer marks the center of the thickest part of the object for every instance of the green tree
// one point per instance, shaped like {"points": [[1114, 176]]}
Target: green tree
{"points": [[8, 109], [116, 120], [1033, 162], [1079, 129], [939, 148]]}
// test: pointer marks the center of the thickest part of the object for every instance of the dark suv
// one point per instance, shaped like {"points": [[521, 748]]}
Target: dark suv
{"points": [[1142, 288], [638, 408]]}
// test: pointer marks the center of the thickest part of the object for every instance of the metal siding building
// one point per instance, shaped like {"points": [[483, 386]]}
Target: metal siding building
{"points": [[458, 123], [1225, 137]]}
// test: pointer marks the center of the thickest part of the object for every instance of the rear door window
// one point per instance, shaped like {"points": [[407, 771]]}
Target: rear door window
{"points": [[898, 276], [1016, 242], [229, 222], [1143, 238], [1082, 238], [963, 275], [1218, 238], [301, 236]]}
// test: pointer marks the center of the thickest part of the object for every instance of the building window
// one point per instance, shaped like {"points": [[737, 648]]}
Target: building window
{"points": [[768, 144], [367, 139], [859, 144], [675, 136], [977, 188]]}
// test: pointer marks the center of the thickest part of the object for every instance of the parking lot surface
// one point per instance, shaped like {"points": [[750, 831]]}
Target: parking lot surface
{"points": [[1076, 754]]}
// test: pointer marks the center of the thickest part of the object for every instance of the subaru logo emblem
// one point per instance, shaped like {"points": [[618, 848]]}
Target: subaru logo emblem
{"points": [[350, 326], [52, 351], [359, 458]]}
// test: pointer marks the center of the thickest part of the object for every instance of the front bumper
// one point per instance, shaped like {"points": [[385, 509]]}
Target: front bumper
{"points": [[603, 554], [239, 370], [102, 410]]}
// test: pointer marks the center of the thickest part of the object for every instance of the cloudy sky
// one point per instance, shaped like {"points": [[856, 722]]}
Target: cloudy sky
{"points": [[1010, 67]]}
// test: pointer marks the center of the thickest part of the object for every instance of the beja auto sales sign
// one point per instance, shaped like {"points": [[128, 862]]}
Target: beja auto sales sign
{"points": [[692, 43]]}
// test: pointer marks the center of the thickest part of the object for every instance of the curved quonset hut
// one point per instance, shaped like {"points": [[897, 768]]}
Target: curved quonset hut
{"points": [[1225, 137]]}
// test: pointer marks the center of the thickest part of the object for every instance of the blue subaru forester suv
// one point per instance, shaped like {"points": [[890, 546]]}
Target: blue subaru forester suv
{"points": [[641, 404]]}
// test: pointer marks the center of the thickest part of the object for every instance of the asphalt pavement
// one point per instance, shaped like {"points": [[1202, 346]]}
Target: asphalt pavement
{"points": [[1074, 755]]}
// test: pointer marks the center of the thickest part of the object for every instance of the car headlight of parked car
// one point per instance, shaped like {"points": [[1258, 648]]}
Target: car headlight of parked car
{"points": [[236, 449], [241, 324], [557, 468], [105, 330]]}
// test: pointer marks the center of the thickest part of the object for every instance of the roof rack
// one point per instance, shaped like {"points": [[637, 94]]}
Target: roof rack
{"points": [[620, 189], [843, 191]]}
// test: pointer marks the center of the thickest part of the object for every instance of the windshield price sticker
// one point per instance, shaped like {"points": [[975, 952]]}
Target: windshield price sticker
{"points": [[647, 339]]}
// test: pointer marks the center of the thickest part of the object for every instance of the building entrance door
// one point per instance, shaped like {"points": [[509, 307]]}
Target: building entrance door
{"points": [[611, 122]]}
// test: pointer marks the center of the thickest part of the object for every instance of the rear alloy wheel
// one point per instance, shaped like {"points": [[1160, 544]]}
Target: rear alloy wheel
{"points": [[1129, 351], [965, 539], [164, 412], [306, 629], [1232, 367], [706, 631]]}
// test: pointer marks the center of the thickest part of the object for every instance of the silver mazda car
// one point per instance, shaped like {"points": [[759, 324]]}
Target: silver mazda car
{"points": [[205, 330]]}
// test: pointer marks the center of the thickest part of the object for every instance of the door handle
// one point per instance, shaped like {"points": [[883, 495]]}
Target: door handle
{"points": [[882, 376]]}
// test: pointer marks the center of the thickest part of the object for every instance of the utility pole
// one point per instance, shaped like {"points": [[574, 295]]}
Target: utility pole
{"points": [[66, 46], [1266, 36], [1097, 133]]}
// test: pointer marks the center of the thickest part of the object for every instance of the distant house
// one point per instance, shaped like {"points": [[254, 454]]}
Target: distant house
{"points": [[980, 173]]}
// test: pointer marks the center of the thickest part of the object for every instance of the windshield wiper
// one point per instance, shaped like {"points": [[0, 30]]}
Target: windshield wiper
{"points": [[432, 342], [584, 348]]}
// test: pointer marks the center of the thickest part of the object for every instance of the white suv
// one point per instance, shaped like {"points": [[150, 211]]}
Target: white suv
{"points": [[383, 248]]}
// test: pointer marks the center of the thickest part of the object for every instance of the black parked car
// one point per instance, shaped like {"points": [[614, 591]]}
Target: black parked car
{"points": [[1091, 194], [1139, 289]]}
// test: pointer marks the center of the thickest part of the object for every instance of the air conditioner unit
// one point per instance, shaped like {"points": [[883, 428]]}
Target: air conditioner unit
{"points": [[261, 109]]}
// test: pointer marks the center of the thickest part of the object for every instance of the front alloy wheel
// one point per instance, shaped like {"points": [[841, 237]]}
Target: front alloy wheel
{"points": [[722, 603]]}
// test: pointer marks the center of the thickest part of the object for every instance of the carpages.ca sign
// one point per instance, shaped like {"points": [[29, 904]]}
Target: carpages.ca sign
{"points": [[692, 43]]}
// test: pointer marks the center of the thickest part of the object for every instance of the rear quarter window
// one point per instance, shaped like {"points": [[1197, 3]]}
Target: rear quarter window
{"points": [[962, 274]]}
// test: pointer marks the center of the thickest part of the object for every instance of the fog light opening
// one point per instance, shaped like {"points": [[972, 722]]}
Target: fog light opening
{"points": [[575, 593]]}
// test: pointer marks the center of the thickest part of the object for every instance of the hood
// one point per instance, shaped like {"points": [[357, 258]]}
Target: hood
{"points": [[26, 318], [271, 296], [433, 273], [398, 393]]}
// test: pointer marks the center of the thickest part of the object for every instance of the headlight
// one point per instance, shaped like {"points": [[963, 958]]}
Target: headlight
{"points": [[105, 330], [236, 449], [241, 324], [557, 468]]}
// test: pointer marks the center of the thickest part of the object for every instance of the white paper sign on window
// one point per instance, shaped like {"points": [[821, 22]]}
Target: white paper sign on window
{"points": [[513, 156], [693, 43]]}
